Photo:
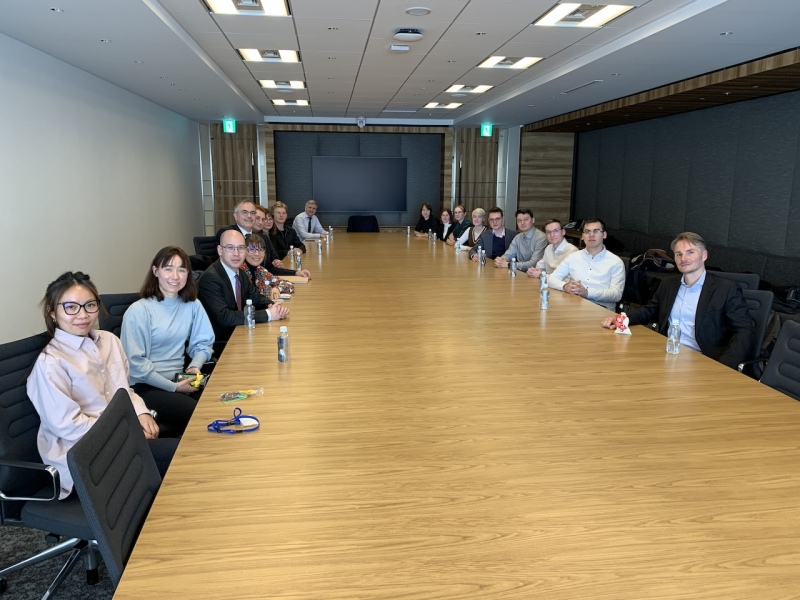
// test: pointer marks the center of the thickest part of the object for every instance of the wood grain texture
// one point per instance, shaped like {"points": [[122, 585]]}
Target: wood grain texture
{"points": [[489, 450], [767, 76], [545, 175], [476, 183], [232, 170]]}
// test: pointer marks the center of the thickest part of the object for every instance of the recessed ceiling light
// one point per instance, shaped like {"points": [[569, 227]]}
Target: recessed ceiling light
{"points": [[418, 11], [264, 8], [509, 62], [253, 55], [574, 14]]}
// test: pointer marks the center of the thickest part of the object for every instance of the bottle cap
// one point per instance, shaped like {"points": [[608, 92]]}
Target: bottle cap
{"points": [[284, 329], [249, 302]]}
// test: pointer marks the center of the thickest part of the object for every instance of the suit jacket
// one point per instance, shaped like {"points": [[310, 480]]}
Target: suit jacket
{"points": [[281, 240], [216, 294], [269, 256], [723, 327], [486, 241]]}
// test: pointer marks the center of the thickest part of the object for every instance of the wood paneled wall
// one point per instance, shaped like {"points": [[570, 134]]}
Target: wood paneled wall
{"points": [[545, 175], [476, 175], [445, 132], [232, 169]]}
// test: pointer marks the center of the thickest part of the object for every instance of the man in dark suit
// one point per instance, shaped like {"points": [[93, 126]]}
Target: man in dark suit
{"points": [[711, 310], [495, 240], [244, 214], [217, 290]]}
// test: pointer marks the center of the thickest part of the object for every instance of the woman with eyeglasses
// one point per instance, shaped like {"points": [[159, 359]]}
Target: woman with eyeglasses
{"points": [[471, 236], [460, 225], [77, 374], [427, 222], [266, 281], [159, 331]]}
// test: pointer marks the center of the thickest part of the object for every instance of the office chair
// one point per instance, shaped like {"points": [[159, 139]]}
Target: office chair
{"points": [[205, 252], [116, 480], [115, 305], [746, 281], [782, 372], [29, 489], [759, 305]]}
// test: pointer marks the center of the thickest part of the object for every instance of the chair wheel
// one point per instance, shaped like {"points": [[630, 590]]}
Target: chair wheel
{"points": [[3, 586], [92, 577]]}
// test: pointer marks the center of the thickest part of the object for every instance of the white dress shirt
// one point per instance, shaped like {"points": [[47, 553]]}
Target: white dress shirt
{"points": [[603, 275], [553, 256], [300, 225]]}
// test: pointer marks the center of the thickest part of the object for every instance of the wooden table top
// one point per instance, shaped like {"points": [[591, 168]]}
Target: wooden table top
{"points": [[435, 436]]}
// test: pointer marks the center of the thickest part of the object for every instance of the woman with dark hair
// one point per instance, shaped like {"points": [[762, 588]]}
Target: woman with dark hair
{"points": [[445, 225], [267, 283], [460, 226], [427, 222], [158, 330], [77, 374]]}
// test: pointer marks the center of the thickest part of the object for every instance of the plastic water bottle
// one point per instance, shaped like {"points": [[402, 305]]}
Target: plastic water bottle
{"points": [[483, 257], [478, 253], [429, 235], [674, 338], [284, 350], [513, 267], [249, 314], [408, 231], [330, 231], [542, 280], [291, 253], [319, 246], [458, 247], [298, 262], [544, 303]]}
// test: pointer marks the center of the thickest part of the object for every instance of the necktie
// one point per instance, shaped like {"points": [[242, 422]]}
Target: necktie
{"points": [[237, 289], [309, 224]]}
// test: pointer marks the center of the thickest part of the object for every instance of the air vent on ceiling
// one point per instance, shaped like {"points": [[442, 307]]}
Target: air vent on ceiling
{"points": [[580, 87]]}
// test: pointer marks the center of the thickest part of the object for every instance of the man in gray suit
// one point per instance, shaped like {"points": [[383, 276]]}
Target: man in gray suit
{"points": [[527, 247]]}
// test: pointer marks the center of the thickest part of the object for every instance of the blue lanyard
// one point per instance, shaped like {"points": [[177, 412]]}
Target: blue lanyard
{"points": [[238, 424]]}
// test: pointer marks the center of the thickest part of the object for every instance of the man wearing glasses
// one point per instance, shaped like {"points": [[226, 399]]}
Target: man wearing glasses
{"points": [[244, 214], [224, 290], [557, 250], [494, 241], [528, 245], [594, 273]]}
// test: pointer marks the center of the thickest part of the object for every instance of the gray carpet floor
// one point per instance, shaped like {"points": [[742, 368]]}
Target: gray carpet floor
{"points": [[18, 543]]}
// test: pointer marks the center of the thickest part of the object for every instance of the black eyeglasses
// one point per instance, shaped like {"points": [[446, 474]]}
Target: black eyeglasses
{"points": [[73, 308], [255, 250]]}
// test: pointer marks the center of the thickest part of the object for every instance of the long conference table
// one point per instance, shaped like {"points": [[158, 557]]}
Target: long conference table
{"points": [[436, 435]]}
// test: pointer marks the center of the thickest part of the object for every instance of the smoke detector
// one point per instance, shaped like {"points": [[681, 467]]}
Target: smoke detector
{"points": [[408, 35]]}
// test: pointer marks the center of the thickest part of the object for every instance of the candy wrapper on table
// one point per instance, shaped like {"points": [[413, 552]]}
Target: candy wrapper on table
{"points": [[621, 323]]}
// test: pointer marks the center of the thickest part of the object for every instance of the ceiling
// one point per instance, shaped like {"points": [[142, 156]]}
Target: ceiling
{"points": [[178, 55]]}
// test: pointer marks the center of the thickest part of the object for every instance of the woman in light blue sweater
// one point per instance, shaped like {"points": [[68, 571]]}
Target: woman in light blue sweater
{"points": [[159, 332]]}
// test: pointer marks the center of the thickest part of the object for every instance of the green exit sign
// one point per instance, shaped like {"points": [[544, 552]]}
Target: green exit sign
{"points": [[228, 126], [486, 130]]}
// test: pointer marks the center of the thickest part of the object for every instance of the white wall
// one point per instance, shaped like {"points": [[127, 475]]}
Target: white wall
{"points": [[92, 178]]}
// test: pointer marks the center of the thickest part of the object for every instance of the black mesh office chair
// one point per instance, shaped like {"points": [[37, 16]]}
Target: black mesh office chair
{"points": [[115, 305], [205, 252], [116, 480], [746, 281], [29, 489], [782, 371], [759, 305]]}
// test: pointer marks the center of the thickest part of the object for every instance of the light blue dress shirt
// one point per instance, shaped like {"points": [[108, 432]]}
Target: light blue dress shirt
{"points": [[684, 310]]}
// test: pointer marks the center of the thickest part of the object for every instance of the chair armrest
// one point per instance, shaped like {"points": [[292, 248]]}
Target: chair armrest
{"points": [[32, 466], [753, 361]]}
